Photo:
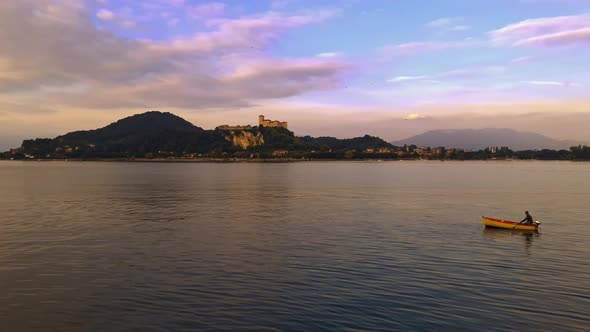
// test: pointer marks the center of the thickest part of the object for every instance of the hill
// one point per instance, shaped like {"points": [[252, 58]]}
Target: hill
{"points": [[336, 144], [474, 139], [131, 128], [137, 135], [157, 134]]}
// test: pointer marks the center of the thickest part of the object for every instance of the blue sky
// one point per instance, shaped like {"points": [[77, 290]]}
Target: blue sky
{"points": [[401, 66]]}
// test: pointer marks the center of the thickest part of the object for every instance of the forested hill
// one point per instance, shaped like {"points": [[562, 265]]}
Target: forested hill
{"points": [[131, 128], [157, 134], [357, 143], [148, 133]]}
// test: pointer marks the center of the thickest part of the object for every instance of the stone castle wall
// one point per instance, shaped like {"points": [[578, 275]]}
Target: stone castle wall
{"points": [[270, 123], [226, 127]]}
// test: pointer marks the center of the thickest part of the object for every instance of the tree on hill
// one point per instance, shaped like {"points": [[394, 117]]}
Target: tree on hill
{"points": [[580, 152], [335, 144]]}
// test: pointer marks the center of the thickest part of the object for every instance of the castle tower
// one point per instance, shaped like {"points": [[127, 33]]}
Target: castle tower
{"points": [[270, 123]]}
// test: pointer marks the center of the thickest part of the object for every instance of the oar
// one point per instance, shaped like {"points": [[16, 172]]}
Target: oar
{"points": [[517, 225]]}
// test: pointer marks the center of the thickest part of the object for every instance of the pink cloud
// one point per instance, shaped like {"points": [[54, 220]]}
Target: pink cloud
{"points": [[559, 38], [246, 34], [292, 68], [425, 47], [105, 15], [549, 31], [220, 68]]}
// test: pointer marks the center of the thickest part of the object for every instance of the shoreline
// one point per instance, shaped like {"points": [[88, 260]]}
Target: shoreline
{"points": [[261, 160]]}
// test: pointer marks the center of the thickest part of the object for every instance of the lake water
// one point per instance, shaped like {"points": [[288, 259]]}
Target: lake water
{"points": [[380, 246]]}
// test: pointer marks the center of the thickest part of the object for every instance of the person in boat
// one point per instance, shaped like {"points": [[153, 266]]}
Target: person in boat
{"points": [[528, 220]]}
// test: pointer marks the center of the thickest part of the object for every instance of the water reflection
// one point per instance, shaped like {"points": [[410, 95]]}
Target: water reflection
{"points": [[301, 246], [507, 235]]}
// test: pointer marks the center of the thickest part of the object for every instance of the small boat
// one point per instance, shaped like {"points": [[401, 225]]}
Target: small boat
{"points": [[507, 224]]}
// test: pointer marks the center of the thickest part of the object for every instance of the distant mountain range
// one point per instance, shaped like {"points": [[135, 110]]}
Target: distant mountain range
{"points": [[475, 139]]}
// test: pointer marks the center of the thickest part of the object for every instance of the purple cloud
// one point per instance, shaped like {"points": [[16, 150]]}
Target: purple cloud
{"points": [[105, 15], [65, 56]]}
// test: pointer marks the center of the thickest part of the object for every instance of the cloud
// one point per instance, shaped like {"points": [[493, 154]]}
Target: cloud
{"points": [[19, 108], [176, 3], [400, 79], [242, 34], [105, 15], [414, 48], [441, 22], [472, 72], [578, 36], [328, 55], [522, 59], [207, 10], [457, 74], [66, 61], [416, 116], [447, 24], [547, 31], [280, 4], [551, 83], [460, 28]]}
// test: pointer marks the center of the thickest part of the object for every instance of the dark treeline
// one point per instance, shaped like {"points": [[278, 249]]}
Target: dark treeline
{"points": [[49, 149]]}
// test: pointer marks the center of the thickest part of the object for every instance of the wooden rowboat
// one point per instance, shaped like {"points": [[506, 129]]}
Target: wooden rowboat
{"points": [[506, 224]]}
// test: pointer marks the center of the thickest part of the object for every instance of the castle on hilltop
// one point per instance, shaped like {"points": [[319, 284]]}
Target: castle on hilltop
{"points": [[261, 122], [269, 123]]}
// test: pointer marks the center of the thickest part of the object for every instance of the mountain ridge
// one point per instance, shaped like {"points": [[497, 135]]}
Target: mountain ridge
{"points": [[474, 139]]}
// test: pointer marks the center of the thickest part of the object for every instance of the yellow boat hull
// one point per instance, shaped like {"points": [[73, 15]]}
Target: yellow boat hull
{"points": [[506, 224]]}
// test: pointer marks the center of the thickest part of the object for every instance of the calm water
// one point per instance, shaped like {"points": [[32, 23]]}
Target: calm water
{"points": [[292, 247]]}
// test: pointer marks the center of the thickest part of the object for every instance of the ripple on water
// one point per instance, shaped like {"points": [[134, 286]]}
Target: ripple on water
{"points": [[310, 246]]}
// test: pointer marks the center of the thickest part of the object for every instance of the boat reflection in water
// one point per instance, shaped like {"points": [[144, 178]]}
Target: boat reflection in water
{"points": [[506, 235]]}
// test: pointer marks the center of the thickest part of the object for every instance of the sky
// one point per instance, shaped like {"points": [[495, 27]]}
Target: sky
{"points": [[344, 68]]}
